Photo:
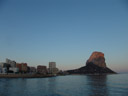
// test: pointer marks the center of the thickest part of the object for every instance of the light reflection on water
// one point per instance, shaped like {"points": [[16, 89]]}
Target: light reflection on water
{"points": [[98, 85], [73, 85]]}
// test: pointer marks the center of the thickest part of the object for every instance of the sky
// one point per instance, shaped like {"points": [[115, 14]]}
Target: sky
{"points": [[65, 31]]}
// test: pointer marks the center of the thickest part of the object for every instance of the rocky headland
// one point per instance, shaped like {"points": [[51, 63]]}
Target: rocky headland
{"points": [[95, 65]]}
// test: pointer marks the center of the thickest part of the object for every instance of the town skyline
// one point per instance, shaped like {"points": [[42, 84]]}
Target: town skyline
{"points": [[13, 67], [66, 32]]}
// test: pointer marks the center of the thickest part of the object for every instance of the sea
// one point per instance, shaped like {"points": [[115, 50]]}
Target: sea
{"points": [[69, 85]]}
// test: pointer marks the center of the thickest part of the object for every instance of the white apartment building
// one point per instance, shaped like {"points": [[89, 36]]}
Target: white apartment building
{"points": [[52, 68]]}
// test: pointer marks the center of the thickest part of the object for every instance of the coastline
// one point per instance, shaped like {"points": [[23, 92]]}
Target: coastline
{"points": [[42, 76], [25, 75]]}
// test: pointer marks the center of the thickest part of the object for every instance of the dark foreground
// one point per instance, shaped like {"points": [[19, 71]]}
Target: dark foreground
{"points": [[70, 85]]}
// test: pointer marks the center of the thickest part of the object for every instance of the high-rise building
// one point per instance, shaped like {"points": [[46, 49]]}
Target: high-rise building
{"points": [[52, 64], [52, 68]]}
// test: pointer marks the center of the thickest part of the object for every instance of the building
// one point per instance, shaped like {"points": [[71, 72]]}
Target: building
{"points": [[13, 70], [2, 64], [11, 62], [32, 70], [4, 70], [18, 65], [42, 69], [0, 69], [22, 67], [4, 67], [52, 68], [12, 66], [52, 65]]}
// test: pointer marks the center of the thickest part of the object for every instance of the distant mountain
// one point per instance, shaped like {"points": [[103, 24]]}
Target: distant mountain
{"points": [[94, 65]]}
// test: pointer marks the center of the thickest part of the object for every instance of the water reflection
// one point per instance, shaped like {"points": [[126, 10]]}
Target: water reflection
{"points": [[77, 85], [52, 87], [4, 86], [9, 85], [97, 85]]}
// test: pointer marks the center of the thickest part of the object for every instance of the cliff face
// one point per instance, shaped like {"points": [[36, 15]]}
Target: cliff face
{"points": [[97, 58], [94, 65]]}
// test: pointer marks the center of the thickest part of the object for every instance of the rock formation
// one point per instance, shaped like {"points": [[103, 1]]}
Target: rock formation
{"points": [[94, 65], [97, 58]]}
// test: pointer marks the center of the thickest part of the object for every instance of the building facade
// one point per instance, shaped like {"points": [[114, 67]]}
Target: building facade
{"points": [[52, 65], [22, 67], [11, 62], [42, 69], [32, 70], [4, 67], [52, 68]]}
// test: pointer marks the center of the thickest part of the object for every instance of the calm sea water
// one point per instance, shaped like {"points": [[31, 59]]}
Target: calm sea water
{"points": [[73, 85]]}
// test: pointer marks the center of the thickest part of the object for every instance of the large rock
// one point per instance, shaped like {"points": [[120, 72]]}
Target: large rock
{"points": [[97, 58], [94, 65]]}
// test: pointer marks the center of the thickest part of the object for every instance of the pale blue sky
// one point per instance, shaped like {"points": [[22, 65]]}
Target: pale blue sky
{"points": [[64, 31]]}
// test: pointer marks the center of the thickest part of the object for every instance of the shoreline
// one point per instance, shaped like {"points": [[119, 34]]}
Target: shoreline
{"points": [[42, 76], [25, 75]]}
